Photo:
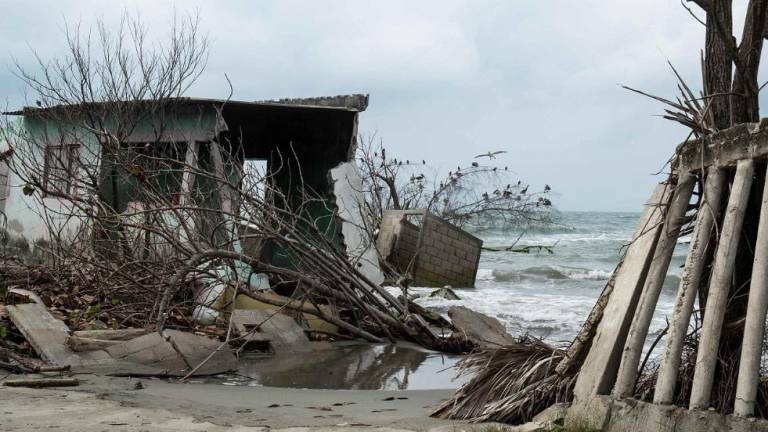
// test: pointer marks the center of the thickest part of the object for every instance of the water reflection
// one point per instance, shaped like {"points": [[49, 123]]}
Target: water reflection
{"points": [[353, 366]]}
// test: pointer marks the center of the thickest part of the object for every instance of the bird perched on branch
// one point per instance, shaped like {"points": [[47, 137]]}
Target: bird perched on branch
{"points": [[475, 165], [491, 154], [547, 188]]}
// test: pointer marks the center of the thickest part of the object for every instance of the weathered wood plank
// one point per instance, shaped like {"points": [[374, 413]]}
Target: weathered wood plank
{"points": [[754, 327], [633, 349], [689, 283], [598, 373], [719, 287]]}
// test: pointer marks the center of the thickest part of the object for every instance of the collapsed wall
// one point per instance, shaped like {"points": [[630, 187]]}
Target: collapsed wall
{"points": [[716, 192]]}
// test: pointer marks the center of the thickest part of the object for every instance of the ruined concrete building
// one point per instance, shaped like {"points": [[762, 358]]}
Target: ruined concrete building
{"points": [[306, 138]]}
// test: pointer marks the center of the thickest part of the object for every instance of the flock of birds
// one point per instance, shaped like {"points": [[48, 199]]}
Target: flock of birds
{"points": [[508, 192]]}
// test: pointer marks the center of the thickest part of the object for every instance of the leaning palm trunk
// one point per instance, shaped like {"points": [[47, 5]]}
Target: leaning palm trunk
{"points": [[511, 384]]}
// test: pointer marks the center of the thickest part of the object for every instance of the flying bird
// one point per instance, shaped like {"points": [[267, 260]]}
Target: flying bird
{"points": [[491, 154]]}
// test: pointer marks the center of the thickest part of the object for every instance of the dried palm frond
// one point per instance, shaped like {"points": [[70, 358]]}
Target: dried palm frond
{"points": [[688, 110], [511, 384]]}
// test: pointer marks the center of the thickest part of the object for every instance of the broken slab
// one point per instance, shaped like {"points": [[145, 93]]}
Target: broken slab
{"points": [[175, 353], [81, 344], [281, 331], [100, 340], [47, 335], [480, 329], [113, 335], [347, 189], [445, 293], [310, 313], [600, 367]]}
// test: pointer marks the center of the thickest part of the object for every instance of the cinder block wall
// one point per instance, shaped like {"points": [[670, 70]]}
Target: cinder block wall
{"points": [[448, 255]]}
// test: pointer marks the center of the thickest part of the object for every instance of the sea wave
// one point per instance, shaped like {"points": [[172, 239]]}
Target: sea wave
{"points": [[544, 272]]}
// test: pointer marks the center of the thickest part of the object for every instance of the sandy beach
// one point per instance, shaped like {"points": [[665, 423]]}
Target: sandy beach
{"points": [[128, 404]]}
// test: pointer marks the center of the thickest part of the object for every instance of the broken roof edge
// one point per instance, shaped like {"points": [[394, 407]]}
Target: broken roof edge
{"points": [[350, 102]]}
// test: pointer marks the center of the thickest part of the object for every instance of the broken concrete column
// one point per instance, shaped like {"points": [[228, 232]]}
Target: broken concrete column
{"points": [[720, 285], [689, 283], [627, 375], [598, 372], [754, 327]]}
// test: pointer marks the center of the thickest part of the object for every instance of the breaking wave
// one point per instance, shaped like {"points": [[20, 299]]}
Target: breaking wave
{"points": [[544, 272]]}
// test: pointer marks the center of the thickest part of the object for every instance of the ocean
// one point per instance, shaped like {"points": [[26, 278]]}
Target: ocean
{"points": [[549, 295]]}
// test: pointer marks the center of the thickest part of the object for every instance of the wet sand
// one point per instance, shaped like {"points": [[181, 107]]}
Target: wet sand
{"points": [[114, 404]]}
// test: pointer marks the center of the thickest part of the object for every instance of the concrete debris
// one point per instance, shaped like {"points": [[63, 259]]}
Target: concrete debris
{"points": [[445, 293], [310, 315], [111, 335], [83, 344], [553, 416], [176, 353], [47, 335], [347, 190], [279, 331], [434, 252], [95, 340], [482, 330]]}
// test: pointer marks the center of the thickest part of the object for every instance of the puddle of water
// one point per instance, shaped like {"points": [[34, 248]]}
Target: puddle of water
{"points": [[351, 366]]}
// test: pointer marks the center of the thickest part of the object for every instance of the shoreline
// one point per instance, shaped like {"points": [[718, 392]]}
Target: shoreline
{"points": [[100, 403]]}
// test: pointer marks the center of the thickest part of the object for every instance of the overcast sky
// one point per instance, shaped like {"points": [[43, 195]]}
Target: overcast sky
{"points": [[447, 79]]}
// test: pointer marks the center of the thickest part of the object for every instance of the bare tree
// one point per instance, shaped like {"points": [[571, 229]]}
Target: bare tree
{"points": [[479, 194]]}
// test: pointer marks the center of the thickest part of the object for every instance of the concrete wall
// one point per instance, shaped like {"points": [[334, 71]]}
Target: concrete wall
{"points": [[29, 216], [447, 255]]}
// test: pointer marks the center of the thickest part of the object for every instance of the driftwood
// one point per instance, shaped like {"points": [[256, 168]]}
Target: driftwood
{"points": [[42, 382]]}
